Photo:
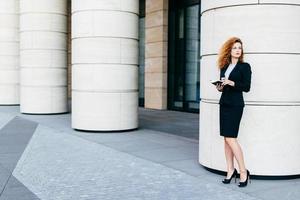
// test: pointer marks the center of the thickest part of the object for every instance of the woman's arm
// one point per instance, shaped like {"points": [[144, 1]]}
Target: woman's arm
{"points": [[244, 84]]}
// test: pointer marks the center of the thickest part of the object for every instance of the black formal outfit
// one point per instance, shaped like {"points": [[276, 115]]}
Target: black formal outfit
{"points": [[232, 101]]}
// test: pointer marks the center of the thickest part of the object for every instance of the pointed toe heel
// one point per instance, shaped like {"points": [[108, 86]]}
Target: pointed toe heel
{"points": [[245, 183], [227, 181]]}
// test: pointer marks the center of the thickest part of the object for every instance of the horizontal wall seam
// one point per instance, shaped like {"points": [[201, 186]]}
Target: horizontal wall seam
{"points": [[108, 64], [161, 88], [9, 84], [280, 4], [149, 57], [44, 86], [10, 69], [273, 101], [258, 103], [230, 6], [50, 13], [160, 72], [162, 41], [9, 41], [256, 53], [159, 57], [258, 4], [105, 91], [9, 13], [246, 104], [15, 55], [102, 63], [108, 37], [44, 49], [154, 26], [15, 29], [52, 31], [103, 10], [154, 11], [63, 68]]}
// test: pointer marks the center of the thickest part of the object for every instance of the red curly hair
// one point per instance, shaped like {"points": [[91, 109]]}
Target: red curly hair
{"points": [[225, 52]]}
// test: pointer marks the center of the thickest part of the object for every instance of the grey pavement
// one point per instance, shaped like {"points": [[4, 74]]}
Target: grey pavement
{"points": [[14, 137], [61, 163]]}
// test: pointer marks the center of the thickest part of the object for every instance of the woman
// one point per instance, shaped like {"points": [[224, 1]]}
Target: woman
{"points": [[236, 77]]}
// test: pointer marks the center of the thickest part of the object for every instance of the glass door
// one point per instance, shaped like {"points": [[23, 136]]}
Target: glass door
{"points": [[184, 56], [142, 53]]}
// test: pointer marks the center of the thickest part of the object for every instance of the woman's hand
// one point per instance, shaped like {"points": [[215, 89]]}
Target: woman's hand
{"points": [[219, 87], [228, 82]]}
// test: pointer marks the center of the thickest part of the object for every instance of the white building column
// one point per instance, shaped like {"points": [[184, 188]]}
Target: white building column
{"points": [[43, 56], [9, 52], [105, 65], [269, 131]]}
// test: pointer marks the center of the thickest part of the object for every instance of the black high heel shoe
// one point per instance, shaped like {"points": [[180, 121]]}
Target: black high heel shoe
{"points": [[244, 184], [227, 181]]}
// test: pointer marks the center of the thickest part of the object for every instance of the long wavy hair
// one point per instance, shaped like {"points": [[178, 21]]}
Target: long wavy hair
{"points": [[225, 52]]}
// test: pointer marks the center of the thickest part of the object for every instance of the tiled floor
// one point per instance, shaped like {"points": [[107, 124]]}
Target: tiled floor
{"points": [[61, 163]]}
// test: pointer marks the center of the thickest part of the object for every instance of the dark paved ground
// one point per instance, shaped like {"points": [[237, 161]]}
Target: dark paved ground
{"points": [[172, 122], [14, 138]]}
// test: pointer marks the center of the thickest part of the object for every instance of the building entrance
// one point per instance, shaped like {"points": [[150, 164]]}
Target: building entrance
{"points": [[184, 55]]}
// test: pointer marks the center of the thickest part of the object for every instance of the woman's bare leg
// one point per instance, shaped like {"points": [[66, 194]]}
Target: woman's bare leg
{"points": [[229, 159], [238, 154]]}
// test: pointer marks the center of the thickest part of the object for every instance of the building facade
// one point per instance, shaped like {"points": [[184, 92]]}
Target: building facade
{"points": [[172, 64], [109, 57]]}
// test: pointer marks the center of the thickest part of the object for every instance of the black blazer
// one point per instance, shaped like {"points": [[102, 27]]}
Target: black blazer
{"points": [[241, 75]]}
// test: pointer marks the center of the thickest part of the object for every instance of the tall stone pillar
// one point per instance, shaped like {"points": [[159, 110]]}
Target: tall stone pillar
{"points": [[156, 54], [269, 131], [105, 65], [9, 52], [43, 55]]}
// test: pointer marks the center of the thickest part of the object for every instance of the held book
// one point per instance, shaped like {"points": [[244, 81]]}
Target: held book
{"points": [[215, 82]]}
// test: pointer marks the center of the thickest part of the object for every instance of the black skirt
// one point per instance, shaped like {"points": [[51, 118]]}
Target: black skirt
{"points": [[230, 118]]}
